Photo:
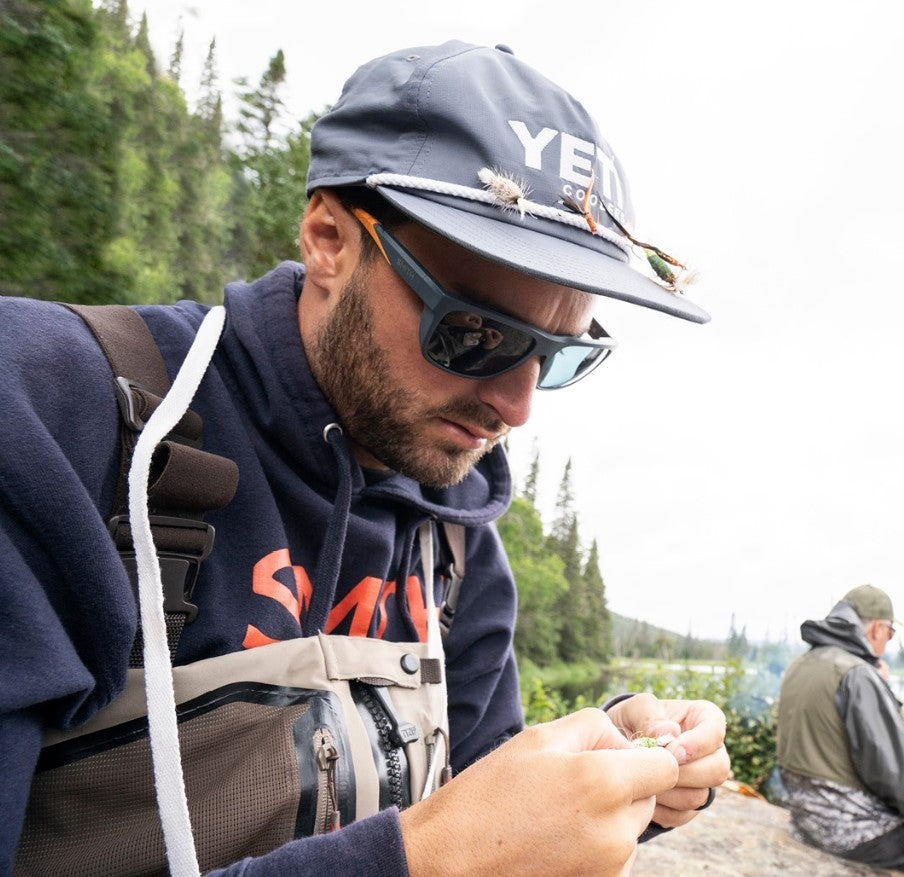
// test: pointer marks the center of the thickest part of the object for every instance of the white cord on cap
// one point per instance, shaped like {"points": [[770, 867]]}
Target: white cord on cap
{"points": [[492, 196]]}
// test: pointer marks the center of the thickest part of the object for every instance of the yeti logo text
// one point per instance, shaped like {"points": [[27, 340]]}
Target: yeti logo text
{"points": [[575, 158]]}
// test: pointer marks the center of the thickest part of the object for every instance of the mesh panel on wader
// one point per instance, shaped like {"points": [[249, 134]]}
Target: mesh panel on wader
{"points": [[242, 781]]}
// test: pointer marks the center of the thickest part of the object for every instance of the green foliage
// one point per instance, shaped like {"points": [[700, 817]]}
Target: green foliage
{"points": [[750, 740], [747, 699], [540, 579], [544, 704], [562, 613], [597, 626], [262, 106], [111, 188], [272, 199], [55, 201]]}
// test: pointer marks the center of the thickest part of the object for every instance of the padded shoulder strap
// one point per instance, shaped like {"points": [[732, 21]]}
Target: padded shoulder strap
{"points": [[127, 343], [187, 481]]}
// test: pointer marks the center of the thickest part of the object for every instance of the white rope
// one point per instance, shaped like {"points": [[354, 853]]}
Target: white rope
{"points": [[437, 693], [523, 205], [162, 726]]}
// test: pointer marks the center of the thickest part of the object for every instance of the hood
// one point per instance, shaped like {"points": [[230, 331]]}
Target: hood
{"points": [[263, 338], [842, 628]]}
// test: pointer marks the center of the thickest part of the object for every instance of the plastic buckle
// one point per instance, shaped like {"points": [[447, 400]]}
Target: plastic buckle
{"points": [[126, 402], [178, 569], [450, 599]]}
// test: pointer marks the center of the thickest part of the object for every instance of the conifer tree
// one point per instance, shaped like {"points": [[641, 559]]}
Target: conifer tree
{"points": [[206, 259], [143, 44], [533, 476], [175, 65], [573, 642], [598, 625], [210, 98], [262, 107], [540, 581], [563, 540], [562, 522], [270, 183], [736, 645]]}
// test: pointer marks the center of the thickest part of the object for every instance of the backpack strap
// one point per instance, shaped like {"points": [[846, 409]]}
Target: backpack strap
{"points": [[186, 481], [452, 554]]}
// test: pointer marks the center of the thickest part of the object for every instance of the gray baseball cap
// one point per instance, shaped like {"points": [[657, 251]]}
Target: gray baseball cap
{"points": [[871, 602], [481, 148]]}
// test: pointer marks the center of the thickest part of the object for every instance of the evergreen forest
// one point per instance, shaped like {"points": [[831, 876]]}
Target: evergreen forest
{"points": [[113, 188]]}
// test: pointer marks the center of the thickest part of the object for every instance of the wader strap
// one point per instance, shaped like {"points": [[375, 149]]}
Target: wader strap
{"points": [[452, 552], [185, 482]]}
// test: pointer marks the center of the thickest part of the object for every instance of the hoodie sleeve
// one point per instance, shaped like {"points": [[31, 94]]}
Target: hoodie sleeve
{"points": [[67, 616], [875, 730], [371, 846], [484, 698]]}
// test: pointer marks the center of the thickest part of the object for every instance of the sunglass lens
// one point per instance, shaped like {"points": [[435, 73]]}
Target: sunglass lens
{"points": [[476, 346], [570, 363]]}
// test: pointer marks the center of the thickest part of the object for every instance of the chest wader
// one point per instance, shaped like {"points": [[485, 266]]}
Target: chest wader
{"points": [[194, 767]]}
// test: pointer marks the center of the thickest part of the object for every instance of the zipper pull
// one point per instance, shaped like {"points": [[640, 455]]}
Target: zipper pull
{"points": [[400, 733], [327, 757]]}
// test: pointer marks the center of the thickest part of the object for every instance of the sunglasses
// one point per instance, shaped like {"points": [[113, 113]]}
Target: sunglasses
{"points": [[477, 342]]}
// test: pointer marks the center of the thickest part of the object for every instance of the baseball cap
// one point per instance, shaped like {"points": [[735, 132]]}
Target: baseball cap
{"points": [[871, 602], [481, 148]]}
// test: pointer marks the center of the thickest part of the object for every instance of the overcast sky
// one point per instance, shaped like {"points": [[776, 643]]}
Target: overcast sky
{"points": [[753, 465]]}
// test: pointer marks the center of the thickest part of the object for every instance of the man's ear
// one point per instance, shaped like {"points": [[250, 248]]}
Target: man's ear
{"points": [[330, 240], [873, 637]]}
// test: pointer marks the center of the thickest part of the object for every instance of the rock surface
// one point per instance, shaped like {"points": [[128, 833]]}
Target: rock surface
{"points": [[741, 836]]}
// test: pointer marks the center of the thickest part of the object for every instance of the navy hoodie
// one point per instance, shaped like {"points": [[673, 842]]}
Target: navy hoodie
{"points": [[67, 614]]}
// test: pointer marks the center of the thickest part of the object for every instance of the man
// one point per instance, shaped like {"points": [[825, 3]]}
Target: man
{"points": [[841, 735], [439, 184]]}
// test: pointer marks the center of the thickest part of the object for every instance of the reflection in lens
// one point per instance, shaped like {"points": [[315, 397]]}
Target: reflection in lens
{"points": [[476, 346]]}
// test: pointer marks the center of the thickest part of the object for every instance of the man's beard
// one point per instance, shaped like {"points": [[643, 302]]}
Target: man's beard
{"points": [[376, 412]]}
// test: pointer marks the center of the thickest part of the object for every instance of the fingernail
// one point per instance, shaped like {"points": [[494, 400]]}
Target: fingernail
{"points": [[680, 754]]}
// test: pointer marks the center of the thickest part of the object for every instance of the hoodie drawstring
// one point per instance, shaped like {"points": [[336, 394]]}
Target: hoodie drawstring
{"points": [[402, 586], [329, 561]]}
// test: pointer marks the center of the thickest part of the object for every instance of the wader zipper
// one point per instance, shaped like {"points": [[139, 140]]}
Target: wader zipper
{"points": [[393, 735], [327, 817]]}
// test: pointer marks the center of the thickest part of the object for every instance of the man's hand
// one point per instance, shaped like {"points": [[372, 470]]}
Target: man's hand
{"points": [[698, 727], [568, 797]]}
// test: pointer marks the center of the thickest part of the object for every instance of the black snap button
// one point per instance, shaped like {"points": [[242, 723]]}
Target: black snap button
{"points": [[410, 663]]}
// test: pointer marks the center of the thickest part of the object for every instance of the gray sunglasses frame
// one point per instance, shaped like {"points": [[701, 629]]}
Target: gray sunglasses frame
{"points": [[438, 304]]}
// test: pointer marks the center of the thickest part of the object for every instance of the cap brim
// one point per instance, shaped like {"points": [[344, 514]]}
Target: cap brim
{"points": [[544, 255]]}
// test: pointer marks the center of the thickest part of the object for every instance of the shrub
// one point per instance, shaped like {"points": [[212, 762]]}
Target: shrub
{"points": [[747, 699]]}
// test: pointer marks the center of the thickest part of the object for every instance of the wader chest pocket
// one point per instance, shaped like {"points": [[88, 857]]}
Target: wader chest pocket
{"points": [[262, 764]]}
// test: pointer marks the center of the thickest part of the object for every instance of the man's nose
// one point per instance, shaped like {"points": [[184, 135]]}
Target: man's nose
{"points": [[510, 394]]}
